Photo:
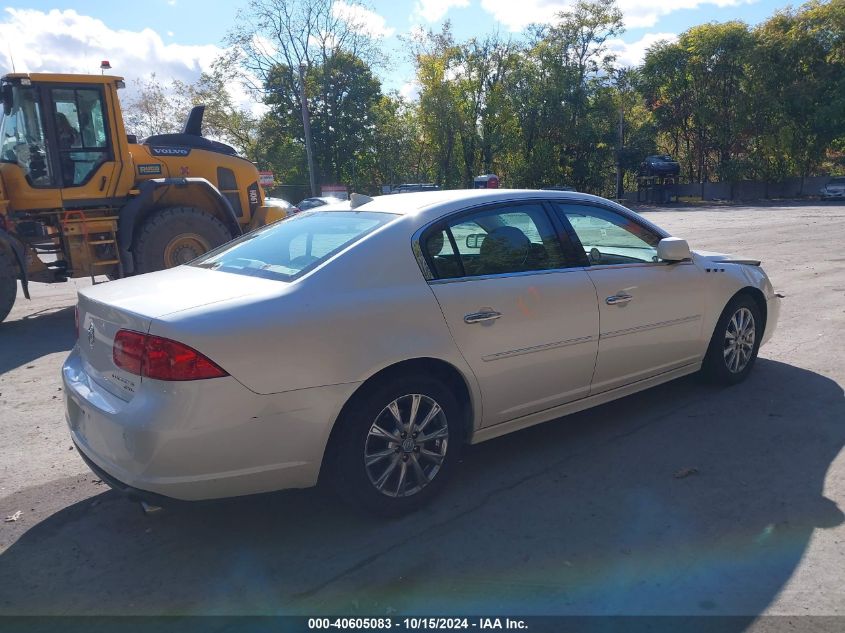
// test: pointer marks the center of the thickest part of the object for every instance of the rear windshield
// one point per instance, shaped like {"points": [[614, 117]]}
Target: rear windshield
{"points": [[289, 249]]}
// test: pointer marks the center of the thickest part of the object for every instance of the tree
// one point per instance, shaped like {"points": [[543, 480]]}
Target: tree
{"points": [[275, 38], [799, 70], [224, 119], [436, 57], [156, 108], [564, 101], [342, 95]]}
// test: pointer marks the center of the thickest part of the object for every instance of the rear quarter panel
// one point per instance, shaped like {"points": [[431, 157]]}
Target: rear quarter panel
{"points": [[359, 313]]}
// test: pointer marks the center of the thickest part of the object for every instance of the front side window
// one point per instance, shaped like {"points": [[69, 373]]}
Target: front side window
{"points": [[505, 239], [287, 250], [22, 139], [609, 237], [80, 133]]}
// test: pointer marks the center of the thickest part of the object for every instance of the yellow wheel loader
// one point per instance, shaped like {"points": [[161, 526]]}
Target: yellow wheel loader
{"points": [[79, 197]]}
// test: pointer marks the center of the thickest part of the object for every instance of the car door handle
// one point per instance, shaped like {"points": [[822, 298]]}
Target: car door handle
{"points": [[481, 317], [618, 299]]}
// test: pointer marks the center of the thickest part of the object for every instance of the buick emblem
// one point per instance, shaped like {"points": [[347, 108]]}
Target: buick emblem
{"points": [[91, 335]]}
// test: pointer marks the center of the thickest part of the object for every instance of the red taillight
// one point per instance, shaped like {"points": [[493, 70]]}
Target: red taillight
{"points": [[161, 358], [128, 351]]}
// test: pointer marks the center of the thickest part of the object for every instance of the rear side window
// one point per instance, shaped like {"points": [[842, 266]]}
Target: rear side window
{"points": [[289, 249], [500, 240]]}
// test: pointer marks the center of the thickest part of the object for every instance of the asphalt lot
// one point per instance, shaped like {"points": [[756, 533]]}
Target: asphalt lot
{"points": [[579, 516]]}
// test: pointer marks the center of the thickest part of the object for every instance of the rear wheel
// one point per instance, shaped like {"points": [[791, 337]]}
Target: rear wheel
{"points": [[397, 445], [736, 340], [8, 285], [175, 236]]}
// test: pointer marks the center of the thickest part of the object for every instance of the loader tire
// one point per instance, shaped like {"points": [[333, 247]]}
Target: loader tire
{"points": [[174, 236], [8, 285]]}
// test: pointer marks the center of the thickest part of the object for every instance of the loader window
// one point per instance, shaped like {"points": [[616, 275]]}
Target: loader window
{"points": [[22, 140], [81, 133]]}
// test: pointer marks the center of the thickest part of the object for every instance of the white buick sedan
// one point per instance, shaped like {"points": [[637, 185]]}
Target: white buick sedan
{"points": [[367, 343]]}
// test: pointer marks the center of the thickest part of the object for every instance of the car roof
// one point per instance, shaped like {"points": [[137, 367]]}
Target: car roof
{"points": [[432, 203]]}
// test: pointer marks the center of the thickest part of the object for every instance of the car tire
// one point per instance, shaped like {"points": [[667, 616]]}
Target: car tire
{"points": [[733, 347], [379, 487], [174, 236], [8, 285]]}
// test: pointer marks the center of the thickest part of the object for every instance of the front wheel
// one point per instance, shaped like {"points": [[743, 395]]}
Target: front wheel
{"points": [[736, 340], [397, 445]]}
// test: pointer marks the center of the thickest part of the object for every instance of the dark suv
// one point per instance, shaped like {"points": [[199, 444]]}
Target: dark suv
{"points": [[659, 165]]}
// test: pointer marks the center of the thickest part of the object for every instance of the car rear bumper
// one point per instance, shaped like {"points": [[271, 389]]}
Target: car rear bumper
{"points": [[203, 439]]}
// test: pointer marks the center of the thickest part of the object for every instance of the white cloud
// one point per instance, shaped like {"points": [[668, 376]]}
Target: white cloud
{"points": [[435, 10], [409, 91], [637, 14], [632, 53], [67, 42], [362, 19]]}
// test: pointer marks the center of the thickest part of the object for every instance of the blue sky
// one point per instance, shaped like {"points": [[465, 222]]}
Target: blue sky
{"points": [[177, 38]]}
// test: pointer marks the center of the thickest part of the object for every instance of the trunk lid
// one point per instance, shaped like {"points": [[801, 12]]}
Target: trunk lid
{"points": [[133, 303], [98, 324]]}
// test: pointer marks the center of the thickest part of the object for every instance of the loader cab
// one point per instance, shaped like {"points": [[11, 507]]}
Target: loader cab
{"points": [[61, 138]]}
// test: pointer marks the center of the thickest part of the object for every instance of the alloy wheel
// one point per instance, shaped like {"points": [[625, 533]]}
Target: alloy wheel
{"points": [[406, 445], [740, 337]]}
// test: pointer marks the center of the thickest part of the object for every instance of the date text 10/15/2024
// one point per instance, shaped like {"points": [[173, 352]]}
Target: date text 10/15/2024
{"points": [[387, 623]]}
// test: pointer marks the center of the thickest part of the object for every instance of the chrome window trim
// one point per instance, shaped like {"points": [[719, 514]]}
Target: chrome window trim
{"points": [[685, 262], [428, 275], [549, 271]]}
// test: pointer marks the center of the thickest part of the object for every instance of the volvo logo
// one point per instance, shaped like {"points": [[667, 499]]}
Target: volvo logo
{"points": [[91, 338]]}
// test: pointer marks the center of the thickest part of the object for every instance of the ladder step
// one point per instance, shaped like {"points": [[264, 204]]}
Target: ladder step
{"points": [[103, 242], [106, 262]]}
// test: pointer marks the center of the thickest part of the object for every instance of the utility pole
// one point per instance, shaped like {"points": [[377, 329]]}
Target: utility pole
{"points": [[620, 192], [623, 82], [306, 123]]}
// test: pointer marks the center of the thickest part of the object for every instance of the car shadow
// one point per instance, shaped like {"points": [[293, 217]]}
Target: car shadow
{"points": [[30, 337], [683, 500]]}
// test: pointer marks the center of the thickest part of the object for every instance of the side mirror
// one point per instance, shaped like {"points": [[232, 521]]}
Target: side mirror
{"points": [[8, 99], [474, 240], [673, 249]]}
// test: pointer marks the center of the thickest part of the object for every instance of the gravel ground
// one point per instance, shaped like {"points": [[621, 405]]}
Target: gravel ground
{"points": [[578, 516]]}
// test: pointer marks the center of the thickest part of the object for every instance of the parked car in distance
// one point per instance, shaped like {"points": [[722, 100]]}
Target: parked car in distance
{"points": [[313, 203], [835, 188], [415, 187], [367, 343], [281, 203], [659, 165]]}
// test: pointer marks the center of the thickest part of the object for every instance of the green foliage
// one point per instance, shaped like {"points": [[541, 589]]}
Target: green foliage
{"points": [[731, 102], [554, 108]]}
